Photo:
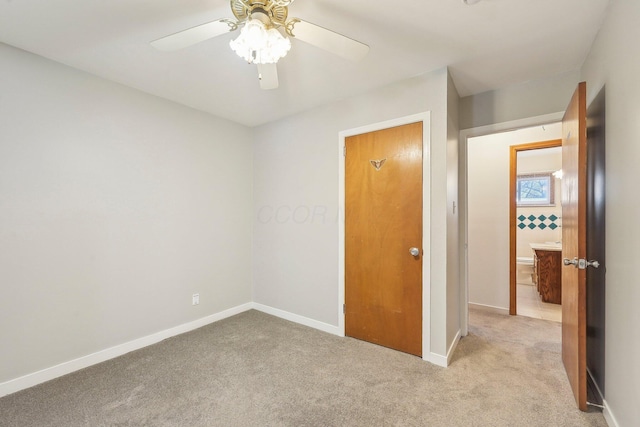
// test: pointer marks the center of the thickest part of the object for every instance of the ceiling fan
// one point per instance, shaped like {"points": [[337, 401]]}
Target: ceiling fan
{"points": [[264, 26]]}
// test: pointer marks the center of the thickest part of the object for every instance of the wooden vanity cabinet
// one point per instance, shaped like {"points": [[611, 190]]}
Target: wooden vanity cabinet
{"points": [[547, 272]]}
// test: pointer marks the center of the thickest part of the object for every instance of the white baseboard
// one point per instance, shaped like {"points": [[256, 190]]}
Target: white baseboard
{"points": [[436, 359], [453, 346], [325, 327], [608, 415], [441, 360], [490, 308], [53, 372]]}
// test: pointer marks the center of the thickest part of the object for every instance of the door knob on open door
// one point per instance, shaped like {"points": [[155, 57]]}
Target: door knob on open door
{"points": [[581, 263], [594, 264], [414, 251]]}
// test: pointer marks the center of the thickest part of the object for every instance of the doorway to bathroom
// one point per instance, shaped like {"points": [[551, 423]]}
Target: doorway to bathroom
{"points": [[488, 240], [535, 232]]}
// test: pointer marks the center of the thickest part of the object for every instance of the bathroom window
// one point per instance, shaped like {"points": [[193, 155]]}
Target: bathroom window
{"points": [[535, 189]]}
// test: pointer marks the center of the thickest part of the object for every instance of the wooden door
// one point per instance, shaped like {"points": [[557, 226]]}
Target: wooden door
{"points": [[383, 222], [574, 226]]}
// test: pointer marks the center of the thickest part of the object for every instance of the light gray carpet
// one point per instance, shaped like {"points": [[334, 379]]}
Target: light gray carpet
{"points": [[257, 370]]}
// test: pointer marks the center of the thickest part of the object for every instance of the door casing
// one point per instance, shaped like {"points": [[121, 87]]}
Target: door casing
{"points": [[425, 118], [513, 171]]}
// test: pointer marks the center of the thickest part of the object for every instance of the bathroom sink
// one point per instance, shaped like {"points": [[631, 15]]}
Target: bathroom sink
{"points": [[546, 246]]}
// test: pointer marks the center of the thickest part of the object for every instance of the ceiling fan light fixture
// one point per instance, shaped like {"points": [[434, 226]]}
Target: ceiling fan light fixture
{"points": [[258, 45]]}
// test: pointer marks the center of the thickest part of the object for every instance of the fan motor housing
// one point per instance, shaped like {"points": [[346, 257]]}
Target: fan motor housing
{"points": [[276, 10]]}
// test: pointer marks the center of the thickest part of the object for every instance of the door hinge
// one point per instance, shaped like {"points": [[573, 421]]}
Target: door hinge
{"points": [[344, 308], [344, 151]]}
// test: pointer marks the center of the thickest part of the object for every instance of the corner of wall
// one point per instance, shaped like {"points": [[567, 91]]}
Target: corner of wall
{"points": [[454, 307]]}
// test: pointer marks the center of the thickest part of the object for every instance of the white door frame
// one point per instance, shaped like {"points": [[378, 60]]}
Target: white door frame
{"points": [[425, 118], [464, 197]]}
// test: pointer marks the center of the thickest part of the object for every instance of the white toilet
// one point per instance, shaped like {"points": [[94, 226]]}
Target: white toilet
{"points": [[524, 270]]}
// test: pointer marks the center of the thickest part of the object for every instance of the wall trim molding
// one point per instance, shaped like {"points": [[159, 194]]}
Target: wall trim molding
{"points": [[47, 374], [325, 327], [489, 308], [453, 346], [53, 372], [608, 415], [439, 359], [436, 359]]}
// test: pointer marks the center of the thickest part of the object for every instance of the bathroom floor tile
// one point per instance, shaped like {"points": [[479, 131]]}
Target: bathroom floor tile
{"points": [[529, 304]]}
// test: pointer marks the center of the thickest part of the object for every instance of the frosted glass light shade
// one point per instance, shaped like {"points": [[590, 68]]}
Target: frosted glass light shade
{"points": [[257, 45]]}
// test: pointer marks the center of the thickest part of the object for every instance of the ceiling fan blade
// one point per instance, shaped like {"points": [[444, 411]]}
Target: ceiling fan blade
{"points": [[194, 35], [268, 75], [328, 40]]}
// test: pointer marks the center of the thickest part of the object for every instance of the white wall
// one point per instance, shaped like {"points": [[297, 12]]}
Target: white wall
{"points": [[115, 206], [529, 99], [488, 211], [296, 200], [614, 63]]}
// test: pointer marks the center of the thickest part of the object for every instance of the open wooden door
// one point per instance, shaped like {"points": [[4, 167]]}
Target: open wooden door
{"points": [[574, 244]]}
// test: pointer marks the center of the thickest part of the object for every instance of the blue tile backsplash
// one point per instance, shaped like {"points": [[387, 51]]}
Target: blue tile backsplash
{"points": [[541, 222]]}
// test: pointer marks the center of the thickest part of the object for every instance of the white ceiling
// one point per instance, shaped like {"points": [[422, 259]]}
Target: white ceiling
{"points": [[491, 44]]}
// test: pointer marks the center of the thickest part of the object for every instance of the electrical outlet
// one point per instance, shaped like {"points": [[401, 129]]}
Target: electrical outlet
{"points": [[195, 299]]}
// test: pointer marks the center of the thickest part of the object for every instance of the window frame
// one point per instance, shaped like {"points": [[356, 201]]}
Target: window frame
{"points": [[549, 196]]}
